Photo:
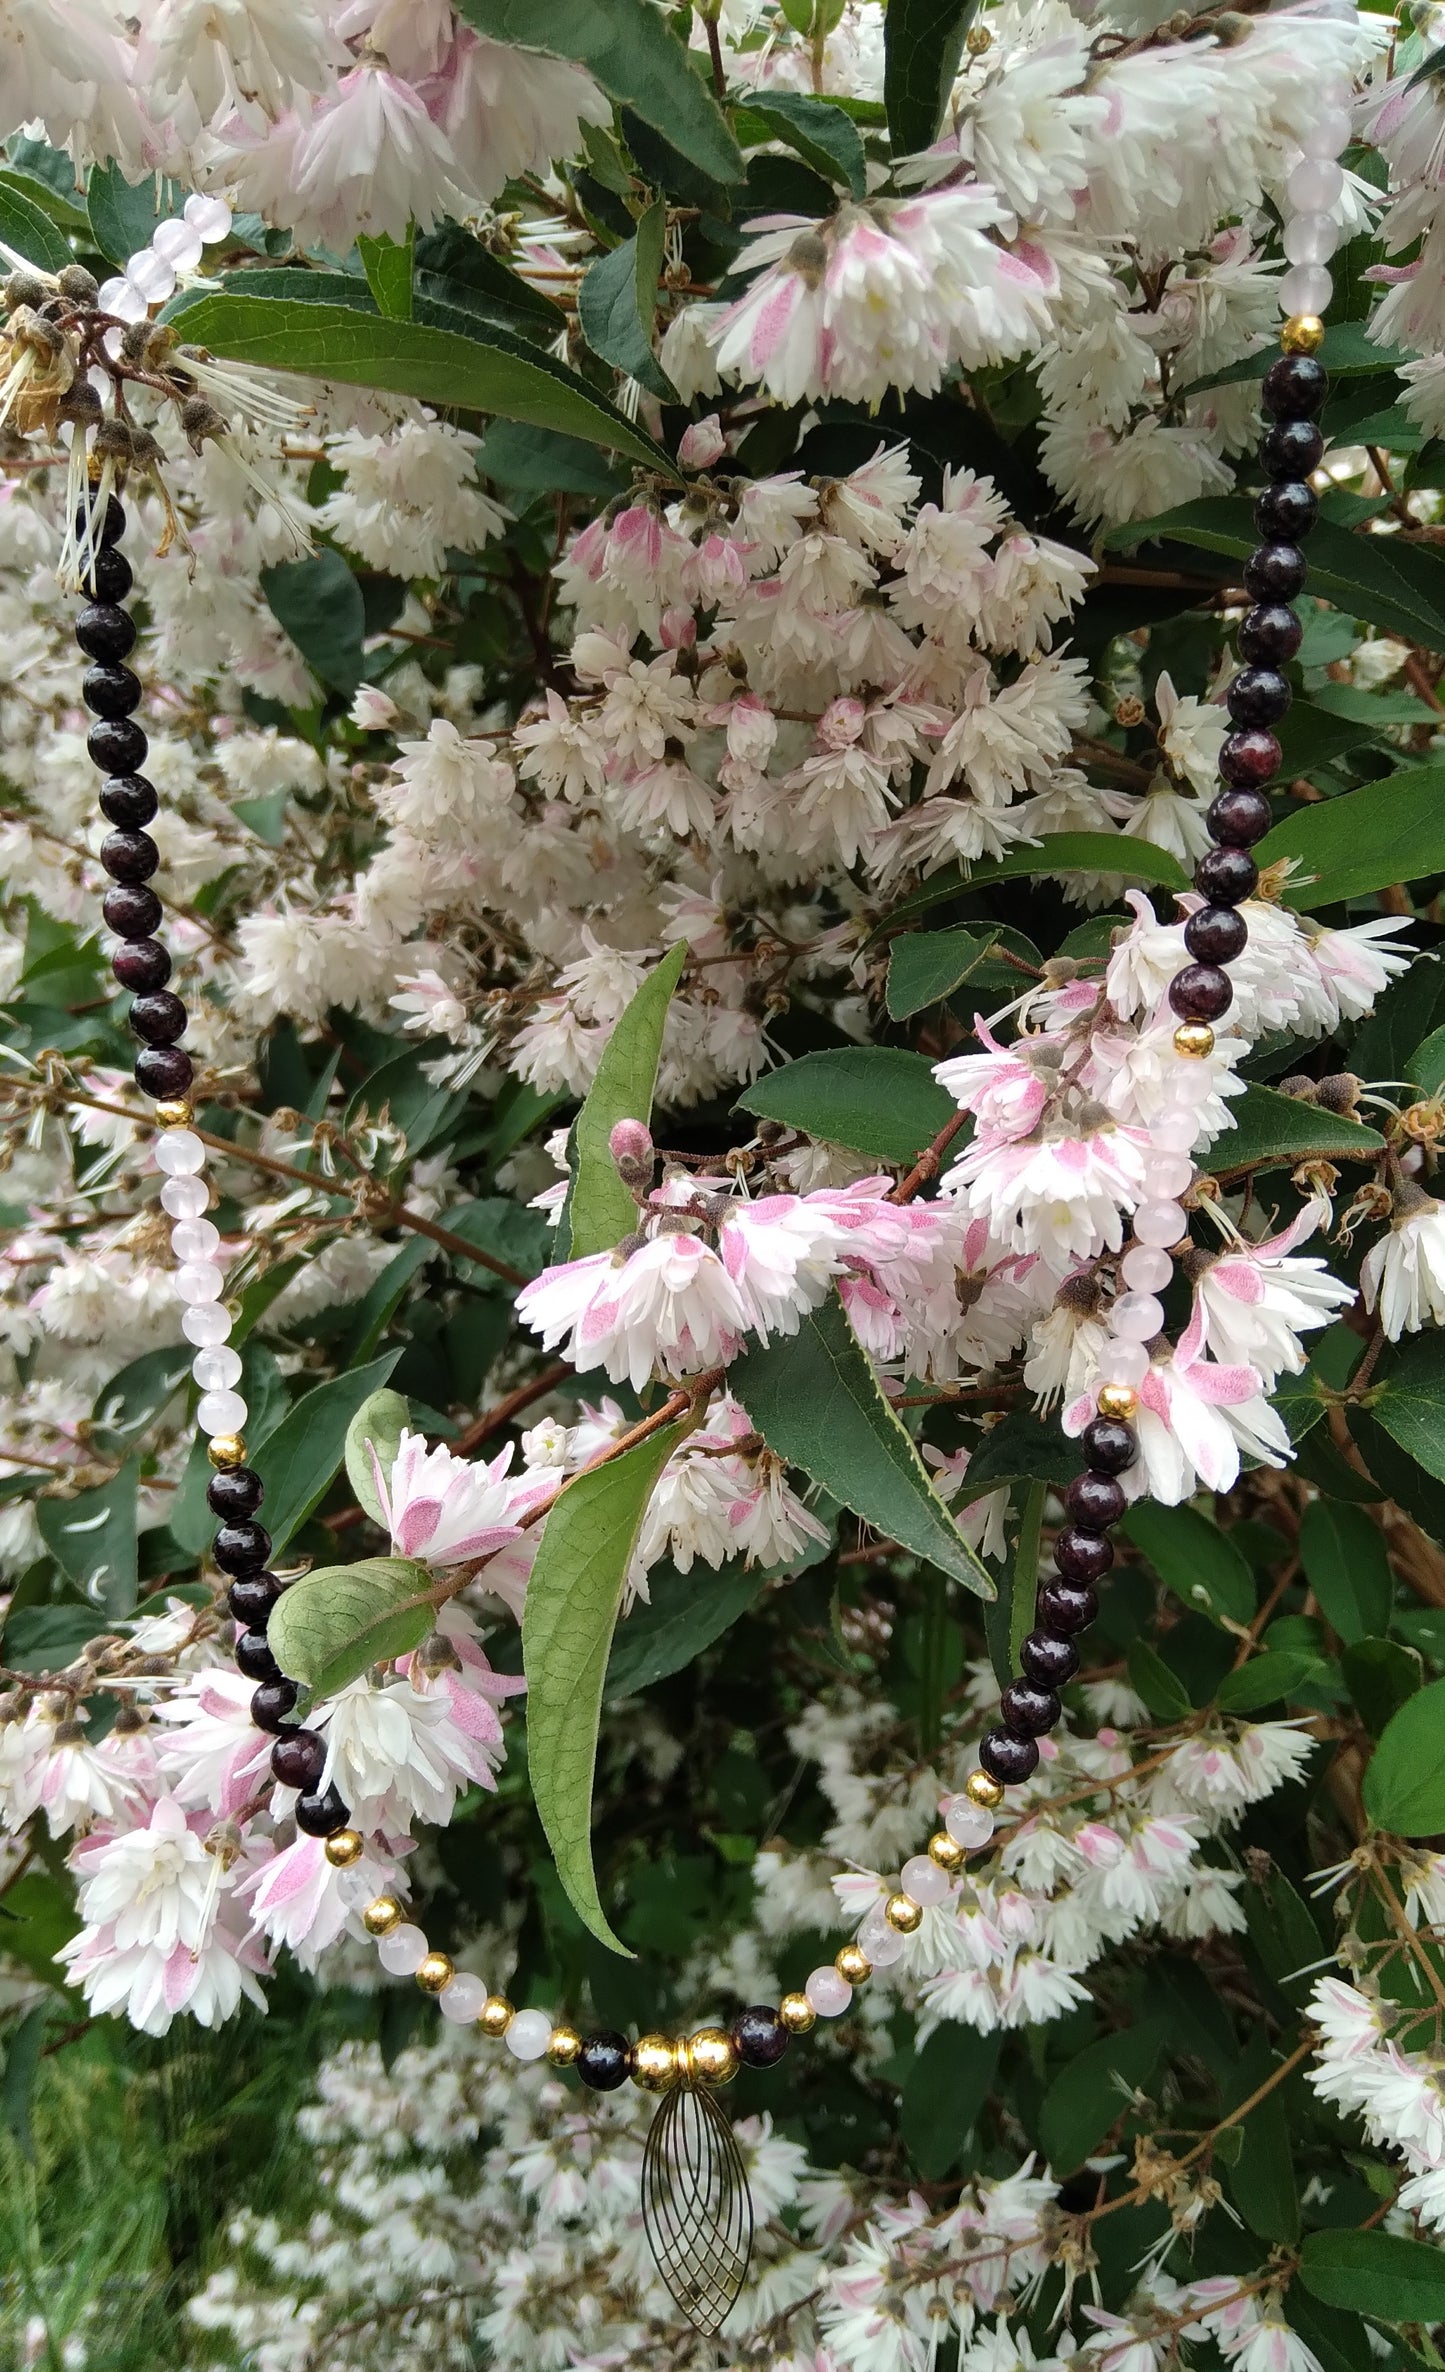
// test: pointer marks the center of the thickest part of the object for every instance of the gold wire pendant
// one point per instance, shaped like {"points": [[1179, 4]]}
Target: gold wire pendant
{"points": [[697, 2209]]}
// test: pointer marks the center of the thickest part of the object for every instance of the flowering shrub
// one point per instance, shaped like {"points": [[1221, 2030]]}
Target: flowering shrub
{"points": [[688, 564]]}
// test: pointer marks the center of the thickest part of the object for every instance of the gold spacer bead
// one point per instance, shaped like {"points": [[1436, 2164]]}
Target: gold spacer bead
{"points": [[435, 1973], [797, 2013], [1194, 1040], [946, 1851], [566, 2042], [1303, 333], [380, 1917], [978, 41], [983, 1789], [654, 2063], [226, 1449], [1120, 1401], [495, 2015], [343, 1847], [853, 1965], [175, 1112], [708, 2057], [903, 1913]]}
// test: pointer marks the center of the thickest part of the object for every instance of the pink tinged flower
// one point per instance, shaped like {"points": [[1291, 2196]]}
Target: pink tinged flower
{"points": [[213, 1755], [370, 160], [1193, 1421], [1403, 1275], [298, 1899], [1058, 1196], [1000, 1087], [1255, 1307], [441, 1508], [159, 1933], [702, 444], [671, 1302], [780, 1253]]}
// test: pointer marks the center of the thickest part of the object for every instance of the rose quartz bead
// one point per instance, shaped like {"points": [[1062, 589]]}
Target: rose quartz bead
{"points": [[829, 1993], [1310, 238], [178, 244], [1188, 1084], [1175, 1130], [357, 1887], [151, 274], [206, 1322], [923, 1879], [122, 298], [528, 2035], [216, 1370], [1315, 182], [179, 1152], [220, 1412], [882, 1943], [1125, 1362], [402, 1952], [1146, 1268], [1137, 1317], [968, 1824], [1159, 1223], [1168, 1174], [462, 1998], [210, 216], [1328, 135], [1305, 288], [185, 1198], [199, 1280], [195, 1239]]}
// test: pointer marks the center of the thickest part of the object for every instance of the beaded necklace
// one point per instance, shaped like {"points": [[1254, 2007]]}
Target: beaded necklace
{"points": [[695, 2200]]}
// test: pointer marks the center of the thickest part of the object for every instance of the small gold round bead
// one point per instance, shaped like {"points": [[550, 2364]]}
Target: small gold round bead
{"points": [[946, 1851], [1303, 333], [984, 1790], [495, 2014], [853, 1965], [903, 1913], [226, 1449], [709, 2056], [978, 41], [566, 2042], [1119, 1401], [435, 1972], [797, 2013], [380, 1917], [175, 1112], [654, 2063], [1194, 1040], [343, 1847]]}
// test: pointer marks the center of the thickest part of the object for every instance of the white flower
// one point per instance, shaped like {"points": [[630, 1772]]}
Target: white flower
{"points": [[205, 56], [1257, 1301], [1403, 1275], [1191, 733], [670, 1302], [159, 1934], [370, 159], [441, 1508]]}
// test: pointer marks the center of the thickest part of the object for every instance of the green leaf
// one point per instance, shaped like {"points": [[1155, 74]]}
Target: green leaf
{"points": [[617, 303], [1114, 853], [31, 233], [387, 264], [878, 1100], [1375, 2273], [37, 1916], [506, 1229], [1089, 2095], [412, 1102], [333, 1625], [92, 1538], [123, 214], [452, 264], [816, 1401], [130, 1403], [1021, 1449], [1391, 831], [22, 2064], [1262, 2180], [1195, 1559], [1349, 352], [567, 1625], [685, 1613], [629, 48], [303, 1452], [1266, 1679], [1343, 1554], [822, 135], [1274, 1131], [1009, 1619], [1312, 735], [924, 967], [1404, 1789], [1150, 1678], [943, 2092], [318, 601], [1408, 1399], [378, 1424], [600, 1211], [484, 370], [922, 45], [383, 1298], [1282, 1930], [1426, 1066], [535, 461], [1381, 1676]]}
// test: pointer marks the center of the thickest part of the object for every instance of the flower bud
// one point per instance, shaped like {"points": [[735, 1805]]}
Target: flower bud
{"points": [[631, 1147]]}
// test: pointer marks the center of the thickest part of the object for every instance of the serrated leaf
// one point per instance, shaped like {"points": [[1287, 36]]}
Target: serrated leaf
{"points": [[333, 1625], [1009, 1619], [1375, 2273], [628, 47], [1151, 1679], [1262, 2179], [600, 1211], [1274, 1131], [1404, 1787], [1343, 1554], [617, 303], [123, 214], [1089, 2095], [1113, 853], [1408, 1399], [1265, 1680], [304, 1451], [567, 1624], [1391, 831], [943, 2092], [318, 601], [1195, 1559], [924, 967], [922, 45], [92, 1538], [1282, 1930], [1381, 1675], [821, 134], [378, 1424], [816, 1401], [879, 1100], [387, 264], [31, 233]]}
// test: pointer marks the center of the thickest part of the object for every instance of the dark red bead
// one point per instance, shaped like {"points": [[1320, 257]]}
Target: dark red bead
{"points": [[1201, 992], [1250, 758], [164, 1072], [605, 2062], [117, 745], [129, 856], [299, 1758], [254, 1657], [241, 1548], [1276, 572], [112, 691], [1083, 1556], [1238, 818], [1226, 876], [112, 576], [321, 1815], [1047, 1660], [1286, 511], [103, 528], [1094, 1501], [1295, 387], [1269, 633], [158, 1020], [131, 910], [1291, 449], [128, 800], [760, 2036], [1258, 696], [273, 1703], [142, 965], [1028, 1709], [1065, 1606], [1109, 1444], [252, 1598], [104, 630], [1008, 1759], [1216, 934], [235, 1493]]}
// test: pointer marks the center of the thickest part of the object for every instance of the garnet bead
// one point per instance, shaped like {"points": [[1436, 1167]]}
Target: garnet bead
{"points": [[1201, 992], [128, 799], [111, 691], [1250, 758], [273, 1702], [1216, 934], [102, 529], [158, 1020], [1276, 572], [1083, 1556], [299, 1758], [141, 965], [117, 745], [129, 856], [1095, 1501], [1291, 449], [1258, 696], [1268, 633], [241, 1548], [104, 630], [1065, 1606], [1239, 818], [131, 911], [1225, 876], [234, 1493], [112, 576], [164, 1072], [604, 2060], [760, 2036], [1028, 1709], [255, 1660], [321, 1815], [252, 1598], [1007, 1758], [1109, 1444], [1295, 387], [1047, 1660], [1286, 511]]}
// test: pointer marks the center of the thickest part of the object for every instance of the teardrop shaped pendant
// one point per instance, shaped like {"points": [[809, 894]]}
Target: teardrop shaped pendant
{"points": [[697, 2209]]}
